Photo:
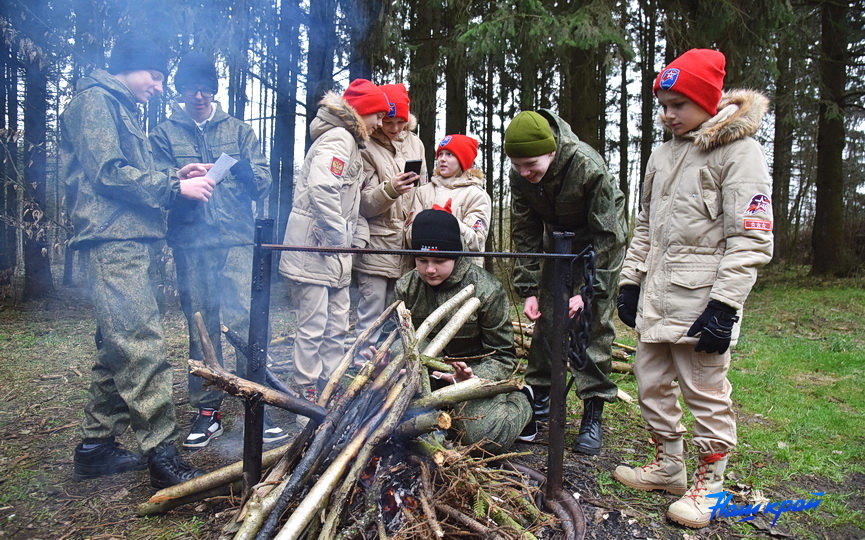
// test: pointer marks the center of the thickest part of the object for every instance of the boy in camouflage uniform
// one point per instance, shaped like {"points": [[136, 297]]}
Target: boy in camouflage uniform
{"points": [[559, 183], [498, 419], [212, 242], [116, 199]]}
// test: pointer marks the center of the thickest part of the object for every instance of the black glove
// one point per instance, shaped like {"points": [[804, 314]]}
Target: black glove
{"points": [[715, 327], [242, 170], [627, 304]]}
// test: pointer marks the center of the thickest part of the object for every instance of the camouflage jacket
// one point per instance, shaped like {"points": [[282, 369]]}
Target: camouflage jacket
{"points": [[226, 219], [577, 194], [113, 190], [488, 330]]}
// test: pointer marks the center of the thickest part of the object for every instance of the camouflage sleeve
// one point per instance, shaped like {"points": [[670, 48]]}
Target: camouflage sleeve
{"points": [[250, 149], [607, 224], [497, 332], [527, 235], [94, 132], [163, 156]]}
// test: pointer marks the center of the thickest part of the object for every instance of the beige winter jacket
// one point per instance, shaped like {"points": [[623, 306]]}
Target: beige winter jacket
{"points": [[470, 203], [326, 196], [705, 226], [384, 210]]}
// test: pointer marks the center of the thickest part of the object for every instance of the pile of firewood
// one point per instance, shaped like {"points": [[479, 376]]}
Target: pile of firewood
{"points": [[339, 477]]}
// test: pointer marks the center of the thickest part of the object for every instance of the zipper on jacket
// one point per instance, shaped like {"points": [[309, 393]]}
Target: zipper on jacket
{"points": [[111, 219]]}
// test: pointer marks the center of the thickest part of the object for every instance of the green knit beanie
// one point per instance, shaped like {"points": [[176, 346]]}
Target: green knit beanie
{"points": [[529, 135]]}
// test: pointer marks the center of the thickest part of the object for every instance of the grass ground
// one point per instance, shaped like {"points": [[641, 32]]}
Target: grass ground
{"points": [[796, 375]]}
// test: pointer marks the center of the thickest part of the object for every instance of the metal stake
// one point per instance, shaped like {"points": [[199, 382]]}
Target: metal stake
{"points": [[256, 366], [558, 366]]}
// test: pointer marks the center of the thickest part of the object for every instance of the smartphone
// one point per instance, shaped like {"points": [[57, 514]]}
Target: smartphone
{"points": [[413, 166]]}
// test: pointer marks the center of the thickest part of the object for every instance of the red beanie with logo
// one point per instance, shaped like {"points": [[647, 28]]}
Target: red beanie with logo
{"points": [[698, 75], [397, 97], [463, 147], [365, 97]]}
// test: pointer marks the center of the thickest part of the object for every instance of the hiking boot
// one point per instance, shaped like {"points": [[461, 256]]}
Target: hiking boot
{"points": [[530, 431], [589, 437], [272, 432], [541, 402], [103, 459], [206, 426], [666, 472], [167, 468], [695, 508]]}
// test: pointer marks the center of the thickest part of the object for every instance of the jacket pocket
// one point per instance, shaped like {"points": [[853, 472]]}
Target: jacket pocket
{"points": [[710, 193], [693, 278]]}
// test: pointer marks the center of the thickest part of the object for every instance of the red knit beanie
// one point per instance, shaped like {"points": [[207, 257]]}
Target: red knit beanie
{"points": [[397, 97], [463, 147], [698, 75], [365, 97]]}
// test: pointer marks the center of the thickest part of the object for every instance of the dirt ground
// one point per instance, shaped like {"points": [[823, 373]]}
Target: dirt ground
{"points": [[46, 352]]}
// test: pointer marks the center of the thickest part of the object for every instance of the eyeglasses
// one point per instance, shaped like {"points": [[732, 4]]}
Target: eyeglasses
{"points": [[191, 92]]}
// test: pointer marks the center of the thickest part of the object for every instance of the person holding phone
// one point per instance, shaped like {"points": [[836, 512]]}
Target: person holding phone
{"points": [[457, 186], [394, 164]]}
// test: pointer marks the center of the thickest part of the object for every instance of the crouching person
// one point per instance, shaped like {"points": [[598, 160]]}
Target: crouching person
{"points": [[486, 340]]}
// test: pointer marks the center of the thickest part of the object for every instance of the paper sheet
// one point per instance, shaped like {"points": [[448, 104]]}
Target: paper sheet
{"points": [[221, 167]]}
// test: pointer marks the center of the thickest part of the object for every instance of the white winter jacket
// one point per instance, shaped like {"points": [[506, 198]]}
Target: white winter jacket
{"points": [[326, 196], [469, 203], [705, 226], [384, 210]]}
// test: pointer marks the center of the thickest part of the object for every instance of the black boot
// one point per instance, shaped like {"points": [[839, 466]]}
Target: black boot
{"points": [[541, 402], [167, 468], [589, 438], [104, 459]]}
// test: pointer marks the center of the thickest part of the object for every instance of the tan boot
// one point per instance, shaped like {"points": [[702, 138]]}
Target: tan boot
{"points": [[666, 472], [695, 509]]}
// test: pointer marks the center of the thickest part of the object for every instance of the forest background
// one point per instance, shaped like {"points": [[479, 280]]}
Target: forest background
{"points": [[470, 66]]}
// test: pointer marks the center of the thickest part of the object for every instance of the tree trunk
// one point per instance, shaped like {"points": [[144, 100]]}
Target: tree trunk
{"points": [[828, 238], [285, 123], [782, 155], [37, 263], [322, 43], [423, 72], [579, 98], [8, 165], [649, 9], [624, 142], [456, 75]]}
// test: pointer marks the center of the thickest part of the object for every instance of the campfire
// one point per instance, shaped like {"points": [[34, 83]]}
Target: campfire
{"points": [[373, 460]]}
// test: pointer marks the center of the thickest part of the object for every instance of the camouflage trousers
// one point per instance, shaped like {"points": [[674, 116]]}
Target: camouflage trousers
{"points": [[498, 420], [594, 380], [217, 283], [131, 379]]}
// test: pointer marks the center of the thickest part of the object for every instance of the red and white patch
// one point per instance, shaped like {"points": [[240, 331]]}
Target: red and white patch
{"points": [[337, 167], [479, 224], [758, 224], [409, 218], [760, 203]]}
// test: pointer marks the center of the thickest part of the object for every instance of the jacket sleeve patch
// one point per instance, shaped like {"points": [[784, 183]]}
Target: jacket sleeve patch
{"points": [[760, 204], [758, 224], [479, 225], [337, 167]]}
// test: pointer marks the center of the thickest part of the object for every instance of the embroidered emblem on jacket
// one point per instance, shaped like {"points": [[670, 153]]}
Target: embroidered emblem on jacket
{"points": [[337, 166]]}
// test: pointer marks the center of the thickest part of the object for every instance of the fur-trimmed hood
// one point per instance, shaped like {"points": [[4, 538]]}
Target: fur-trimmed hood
{"points": [[740, 113], [334, 111], [471, 177], [379, 137]]}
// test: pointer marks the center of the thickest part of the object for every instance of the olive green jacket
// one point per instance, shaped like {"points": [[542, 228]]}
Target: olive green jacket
{"points": [[488, 330], [226, 219], [113, 190], [577, 194]]}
